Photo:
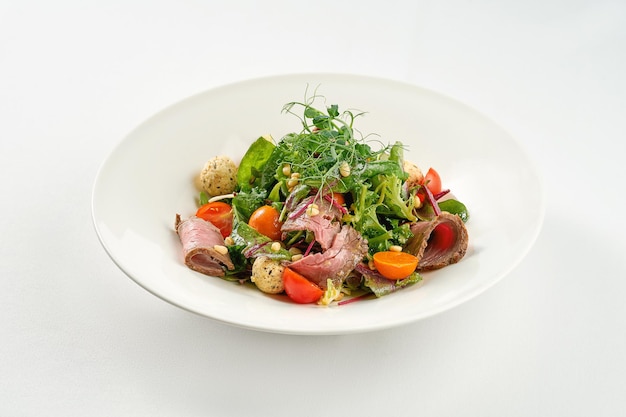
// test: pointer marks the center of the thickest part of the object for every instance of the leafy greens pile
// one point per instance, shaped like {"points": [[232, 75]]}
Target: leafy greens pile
{"points": [[329, 158]]}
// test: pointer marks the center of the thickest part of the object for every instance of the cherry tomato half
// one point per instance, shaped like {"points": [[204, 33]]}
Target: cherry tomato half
{"points": [[395, 265], [300, 289], [339, 198], [218, 213], [265, 221], [433, 181]]}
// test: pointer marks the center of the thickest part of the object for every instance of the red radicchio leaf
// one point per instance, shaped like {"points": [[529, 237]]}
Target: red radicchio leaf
{"points": [[440, 194], [432, 201], [334, 202]]}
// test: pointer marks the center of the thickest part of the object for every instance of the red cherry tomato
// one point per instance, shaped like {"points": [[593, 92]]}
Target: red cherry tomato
{"points": [[300, 289], [433, 181], [218, 213], [265, 221]]}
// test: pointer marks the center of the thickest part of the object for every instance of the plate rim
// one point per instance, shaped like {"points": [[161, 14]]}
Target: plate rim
{"points": [[476, 291]]}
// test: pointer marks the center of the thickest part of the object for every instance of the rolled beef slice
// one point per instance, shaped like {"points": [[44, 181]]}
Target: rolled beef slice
{"points": [[439, 242], [199, 238]]}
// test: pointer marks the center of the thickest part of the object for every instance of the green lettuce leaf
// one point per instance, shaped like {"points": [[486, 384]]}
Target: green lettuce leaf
{"points": [[253, 162]]}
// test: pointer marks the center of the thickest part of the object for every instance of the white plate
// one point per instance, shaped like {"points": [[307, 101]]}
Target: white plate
{"points": [[148, 178]]}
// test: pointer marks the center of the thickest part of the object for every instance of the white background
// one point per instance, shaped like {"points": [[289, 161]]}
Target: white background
{"points": [[78, 338]]}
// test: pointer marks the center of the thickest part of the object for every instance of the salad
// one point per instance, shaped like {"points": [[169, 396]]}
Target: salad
{"points": [[324, 215]]}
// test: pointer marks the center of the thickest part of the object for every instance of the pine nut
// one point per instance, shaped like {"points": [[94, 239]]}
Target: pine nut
{"points": [[344, 169], [294, 251], [286, 170], [292, 182], [395, 248], [221, 249], [312, 210]]}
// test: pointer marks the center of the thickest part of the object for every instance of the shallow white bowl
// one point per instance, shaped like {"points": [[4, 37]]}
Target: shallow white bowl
{"points": [[148, 178]]}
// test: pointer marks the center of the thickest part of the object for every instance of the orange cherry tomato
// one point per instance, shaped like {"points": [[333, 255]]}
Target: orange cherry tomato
{"points": [[218, 213], [339, 198], [395, 265], [300, 289], [265, 220], [433, 181]]}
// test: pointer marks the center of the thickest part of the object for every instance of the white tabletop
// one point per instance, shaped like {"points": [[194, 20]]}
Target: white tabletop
{"points": [[78, 338]]}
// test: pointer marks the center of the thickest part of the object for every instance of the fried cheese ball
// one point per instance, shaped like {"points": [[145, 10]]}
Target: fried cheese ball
{"points": [[267, 275], [219, 176], [416, 177]]}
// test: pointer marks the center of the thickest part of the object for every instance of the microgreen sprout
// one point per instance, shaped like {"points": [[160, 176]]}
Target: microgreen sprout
{"points": [[326, 152]]}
